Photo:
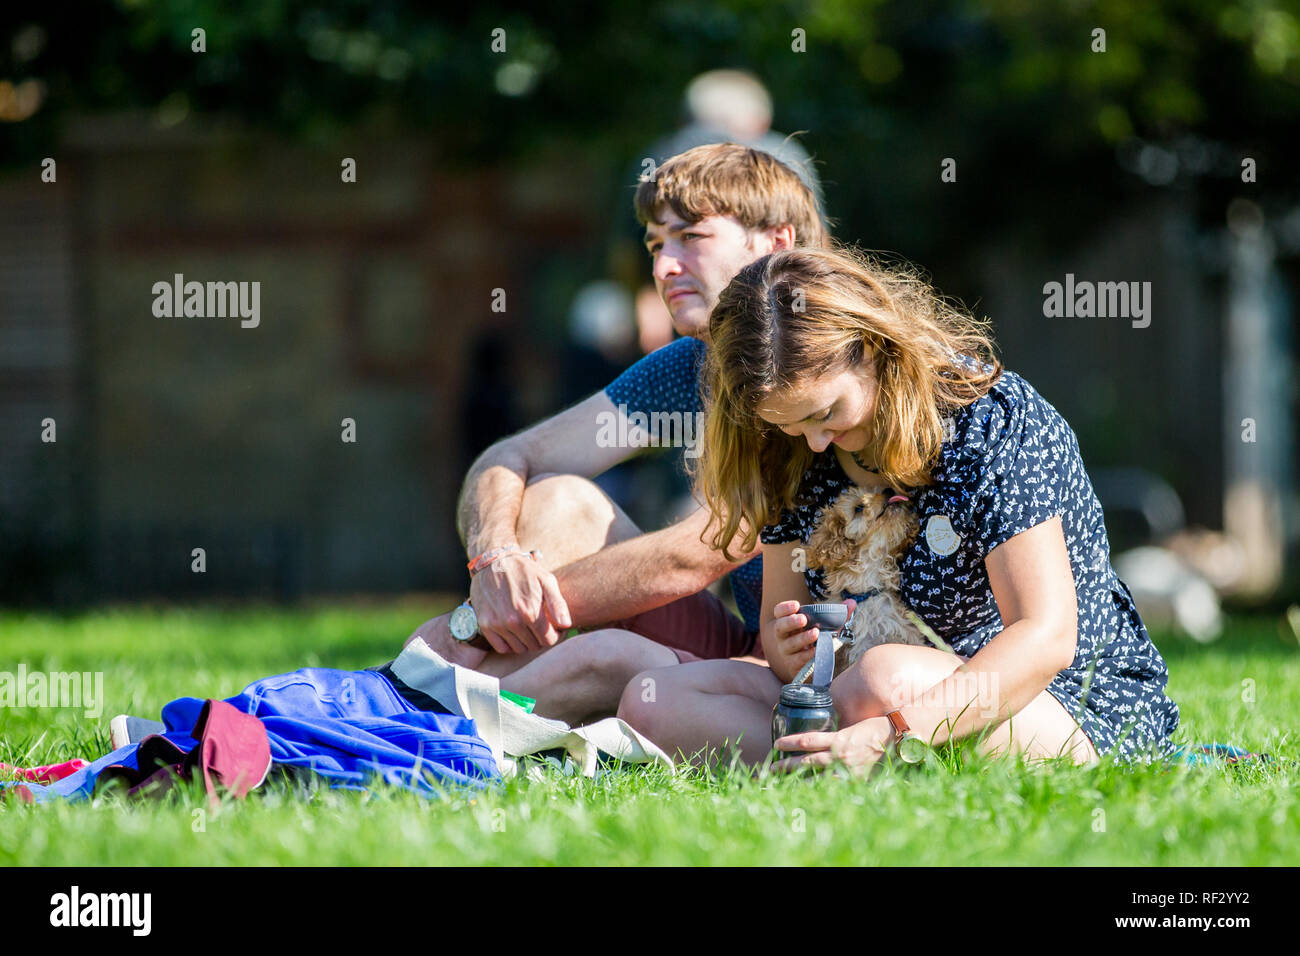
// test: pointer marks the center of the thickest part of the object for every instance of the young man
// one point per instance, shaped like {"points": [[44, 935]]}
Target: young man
{"points": [[548, 549]]}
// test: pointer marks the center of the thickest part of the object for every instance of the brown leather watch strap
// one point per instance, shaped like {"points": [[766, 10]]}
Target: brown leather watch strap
{"points": [[896, 721]]}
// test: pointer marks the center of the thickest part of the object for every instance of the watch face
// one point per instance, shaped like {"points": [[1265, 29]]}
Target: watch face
{"points": [[464, 623], [912, 749]]}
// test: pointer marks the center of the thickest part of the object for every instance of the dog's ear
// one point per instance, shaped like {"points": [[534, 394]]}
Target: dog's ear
{"points": [[828, 545], [912, 528], [903, 532]]}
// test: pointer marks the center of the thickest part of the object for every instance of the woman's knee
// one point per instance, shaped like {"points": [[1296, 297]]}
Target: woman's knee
{"points": [[658, 699], [890, 676], [639, 704]]}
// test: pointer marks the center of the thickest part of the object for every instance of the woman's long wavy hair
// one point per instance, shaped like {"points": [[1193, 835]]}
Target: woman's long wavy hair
{"points": [[796, 315]]}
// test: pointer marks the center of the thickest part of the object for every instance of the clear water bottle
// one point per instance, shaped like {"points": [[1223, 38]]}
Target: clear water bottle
{"points": [[802, 709]]}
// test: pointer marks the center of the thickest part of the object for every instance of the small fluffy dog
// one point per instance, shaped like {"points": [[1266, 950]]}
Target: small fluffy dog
{"points": [[857, 544]]}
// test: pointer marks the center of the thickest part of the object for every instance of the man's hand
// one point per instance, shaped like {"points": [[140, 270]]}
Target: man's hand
{"points": [[518, 605]]}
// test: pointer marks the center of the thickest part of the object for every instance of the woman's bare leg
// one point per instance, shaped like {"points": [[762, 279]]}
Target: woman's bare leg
{"points": [[704, 706], [714, 704], [893, 675]]}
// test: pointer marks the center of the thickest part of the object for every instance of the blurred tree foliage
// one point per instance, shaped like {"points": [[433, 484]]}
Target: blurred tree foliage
{"points": [[1049, 135], [1011, 88]]}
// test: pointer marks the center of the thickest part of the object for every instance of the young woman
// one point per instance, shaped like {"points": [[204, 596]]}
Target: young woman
{"points": [[828, 369]]}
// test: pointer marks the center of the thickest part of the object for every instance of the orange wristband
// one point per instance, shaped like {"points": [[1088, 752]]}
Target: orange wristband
{"points": [[487, 557]]}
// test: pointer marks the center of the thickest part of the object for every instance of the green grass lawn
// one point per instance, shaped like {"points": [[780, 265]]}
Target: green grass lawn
{"points": [[1244, 689]]}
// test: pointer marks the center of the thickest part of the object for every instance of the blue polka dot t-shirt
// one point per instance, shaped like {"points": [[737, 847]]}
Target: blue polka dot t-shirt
{"points": [[1008, 462], [668, 380]]}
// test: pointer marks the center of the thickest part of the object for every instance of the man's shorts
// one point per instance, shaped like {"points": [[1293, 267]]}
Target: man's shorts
{"points": [[697, 627]]}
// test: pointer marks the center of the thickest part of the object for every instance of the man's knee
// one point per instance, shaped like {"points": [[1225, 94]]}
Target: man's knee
{"points": [[556, 491], [571, 517]]}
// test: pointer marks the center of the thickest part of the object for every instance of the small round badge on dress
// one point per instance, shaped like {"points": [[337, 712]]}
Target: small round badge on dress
{"points": [[940, 535]]}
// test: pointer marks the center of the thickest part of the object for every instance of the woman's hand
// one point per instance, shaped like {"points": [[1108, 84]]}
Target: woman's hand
{"points": [[796, 643], [859, 747]]}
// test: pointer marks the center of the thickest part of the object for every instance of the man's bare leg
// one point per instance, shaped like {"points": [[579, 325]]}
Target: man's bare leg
{"points": [[582, 678]]}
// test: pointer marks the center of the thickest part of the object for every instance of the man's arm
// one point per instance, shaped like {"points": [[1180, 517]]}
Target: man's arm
{"points": [[519, 603], [644, 573]]}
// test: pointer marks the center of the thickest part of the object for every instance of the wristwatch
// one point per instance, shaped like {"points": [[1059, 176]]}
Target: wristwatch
{"points": [[464, 622], [910, 748]]}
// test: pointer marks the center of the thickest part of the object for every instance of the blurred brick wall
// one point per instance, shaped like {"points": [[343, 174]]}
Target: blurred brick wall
{"points": [[195, 432]]}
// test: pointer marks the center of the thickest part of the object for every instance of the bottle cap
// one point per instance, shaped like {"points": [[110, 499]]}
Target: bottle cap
{"points": [[805, 695], [828, 617]]}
